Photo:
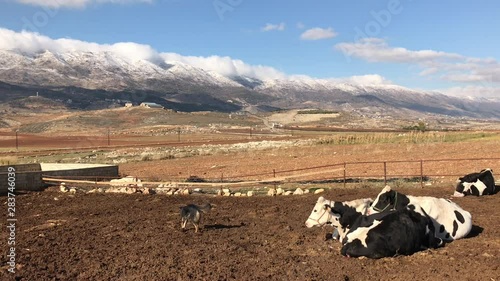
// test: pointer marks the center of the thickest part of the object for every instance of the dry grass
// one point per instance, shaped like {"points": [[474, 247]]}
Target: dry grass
{"points": [[8, 160], [412, 137]]}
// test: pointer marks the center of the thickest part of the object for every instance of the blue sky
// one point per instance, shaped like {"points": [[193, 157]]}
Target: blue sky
{"points": [[451, 46]]}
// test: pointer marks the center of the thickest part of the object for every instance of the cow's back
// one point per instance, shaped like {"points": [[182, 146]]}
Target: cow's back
{"points": [[450, 220], [387, 234]]}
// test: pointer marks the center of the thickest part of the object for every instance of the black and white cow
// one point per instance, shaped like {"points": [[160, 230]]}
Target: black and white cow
{"points": [[321, 214], [388, 234], [482, 183], [450, 220]]}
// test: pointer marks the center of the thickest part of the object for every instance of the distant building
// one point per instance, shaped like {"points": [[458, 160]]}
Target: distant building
{"points": [[151, 105], [128, 104], [277, 125]]}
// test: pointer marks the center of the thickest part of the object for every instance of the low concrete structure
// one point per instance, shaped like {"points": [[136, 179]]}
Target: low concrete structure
{"points": [[80, 171], [29, 177], [25, 177]]}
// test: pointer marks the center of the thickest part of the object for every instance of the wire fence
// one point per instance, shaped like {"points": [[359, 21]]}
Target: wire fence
{"points": [[421, 171]]}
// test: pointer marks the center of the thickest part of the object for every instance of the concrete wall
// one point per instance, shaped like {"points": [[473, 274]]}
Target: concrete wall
{"points": [[28, 177], [80, 172]]}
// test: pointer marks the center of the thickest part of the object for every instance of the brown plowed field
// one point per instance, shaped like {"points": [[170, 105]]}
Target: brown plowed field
{"points": [[138, 237]]}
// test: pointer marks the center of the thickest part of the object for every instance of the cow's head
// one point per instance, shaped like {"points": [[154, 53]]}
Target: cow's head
{"points": [[487, 170], [386, 200], [475, 184], [321, 213]]}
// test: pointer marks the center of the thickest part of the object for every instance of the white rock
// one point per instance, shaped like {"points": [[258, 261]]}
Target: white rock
{"points": [[250, 193], [125, 180], [298, 191], [279, 191], [318, 190], [271, 192], [162, 189]]}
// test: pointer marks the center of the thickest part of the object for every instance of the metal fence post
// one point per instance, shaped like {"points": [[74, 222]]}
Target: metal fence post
{"points": [[345, 164], [385, 173], [421, 173]]}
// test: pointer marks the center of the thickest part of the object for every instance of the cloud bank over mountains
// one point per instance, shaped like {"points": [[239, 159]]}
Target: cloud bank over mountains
{"points": [[34, 43], [473, 76]]}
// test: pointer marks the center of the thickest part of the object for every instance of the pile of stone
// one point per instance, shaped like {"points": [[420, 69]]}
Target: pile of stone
{"points": [[279, 191]]}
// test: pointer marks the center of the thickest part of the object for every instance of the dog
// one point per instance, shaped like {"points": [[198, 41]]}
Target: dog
{"points": [[192, 213]]}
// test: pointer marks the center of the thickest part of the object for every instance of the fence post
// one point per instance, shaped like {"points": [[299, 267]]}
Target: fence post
{"points": [[178, 134], [345, 164], [17, 141], [421, 173], [274, 175], [385, 173]]}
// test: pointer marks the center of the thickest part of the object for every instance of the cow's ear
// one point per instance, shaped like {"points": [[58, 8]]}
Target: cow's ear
{"points": [[326, 207], [386, 189]]}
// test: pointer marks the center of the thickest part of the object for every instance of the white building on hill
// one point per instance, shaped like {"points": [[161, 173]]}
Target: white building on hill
{"points": [[151, 105]]}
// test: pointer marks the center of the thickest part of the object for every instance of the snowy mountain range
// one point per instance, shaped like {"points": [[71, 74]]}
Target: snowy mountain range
{"points": [[89, 79]]}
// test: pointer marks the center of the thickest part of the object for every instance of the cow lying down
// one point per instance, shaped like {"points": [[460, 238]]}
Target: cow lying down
{"points": [[320, 216], [398, 232], [482, 183], [402, 232], [450, 220]]}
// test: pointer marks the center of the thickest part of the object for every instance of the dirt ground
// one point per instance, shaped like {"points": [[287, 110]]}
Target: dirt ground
{"points": [[138, 237], [264, 162], [60, 236]]}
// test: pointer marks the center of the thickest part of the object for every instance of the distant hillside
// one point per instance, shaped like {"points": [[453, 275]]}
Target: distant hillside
{"points": [[36, 103], [86, 80]]}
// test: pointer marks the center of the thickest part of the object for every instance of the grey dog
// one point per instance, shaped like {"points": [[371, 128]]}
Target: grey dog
{"points": [[192, 213]]}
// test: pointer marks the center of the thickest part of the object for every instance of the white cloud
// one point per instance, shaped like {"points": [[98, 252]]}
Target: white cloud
{"points": [[442, 65], [226, 66], [300, 25], [369, 79], [76, 3], [270, 27], [377, 50], [472, 91], [318, 33], [33, 43]]}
